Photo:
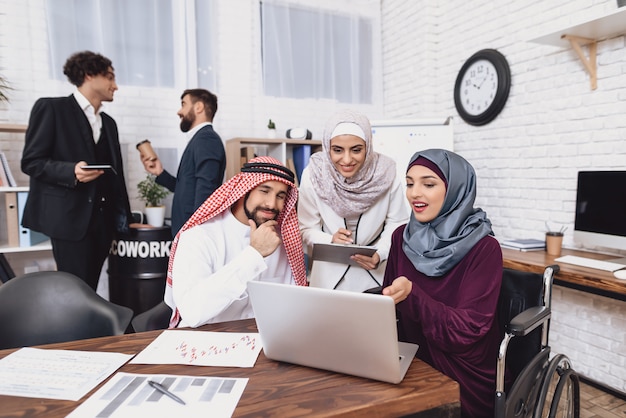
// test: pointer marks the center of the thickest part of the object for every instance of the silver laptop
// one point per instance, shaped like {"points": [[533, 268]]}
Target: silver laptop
{"points": [[345, 332]]}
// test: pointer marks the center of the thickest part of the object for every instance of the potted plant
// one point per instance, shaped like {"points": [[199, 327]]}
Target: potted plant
{"points": [[152, 194], [271, 129]]}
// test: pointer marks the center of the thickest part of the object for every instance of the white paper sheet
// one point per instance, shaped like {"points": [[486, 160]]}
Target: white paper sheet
{"points": [[56, 374], [202, 348], [129, 395]]}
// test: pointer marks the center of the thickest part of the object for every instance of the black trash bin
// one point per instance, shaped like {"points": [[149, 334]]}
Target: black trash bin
{"points": [[138, 267]]}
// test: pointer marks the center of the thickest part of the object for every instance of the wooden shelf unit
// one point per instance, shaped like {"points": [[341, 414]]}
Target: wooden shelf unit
{"points": [[279, 148], [42, 246], [4, 248], [12, 128], [588, 33]]}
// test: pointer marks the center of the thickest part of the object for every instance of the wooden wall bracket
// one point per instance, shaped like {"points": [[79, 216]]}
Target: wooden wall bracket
{"points": [[590, 63]]}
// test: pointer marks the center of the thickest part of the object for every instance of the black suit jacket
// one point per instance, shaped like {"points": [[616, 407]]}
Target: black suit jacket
{"points": [[58, 137]]}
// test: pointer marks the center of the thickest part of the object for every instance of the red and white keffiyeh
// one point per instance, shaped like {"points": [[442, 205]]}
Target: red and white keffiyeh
{"points": [[234, 189]]}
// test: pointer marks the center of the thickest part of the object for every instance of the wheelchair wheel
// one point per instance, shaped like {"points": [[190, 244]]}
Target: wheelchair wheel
{"points": [[560, 392]]}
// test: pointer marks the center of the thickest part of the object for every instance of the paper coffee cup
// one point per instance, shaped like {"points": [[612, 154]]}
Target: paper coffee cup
{"points": [[146, 152], [554, 240]]}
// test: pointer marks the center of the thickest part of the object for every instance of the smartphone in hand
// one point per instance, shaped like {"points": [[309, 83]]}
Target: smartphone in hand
{"points": [[99, 167]]}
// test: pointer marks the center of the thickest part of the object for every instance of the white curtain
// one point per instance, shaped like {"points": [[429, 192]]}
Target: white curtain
{"points": [[138, 36], [311, 53], [205, 45]]}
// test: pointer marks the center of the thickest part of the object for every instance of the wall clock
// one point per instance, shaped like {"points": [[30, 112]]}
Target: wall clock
{"points": [[482, 87]]}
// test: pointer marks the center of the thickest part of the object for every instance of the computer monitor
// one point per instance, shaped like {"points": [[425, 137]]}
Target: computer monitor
{"points": [[601, 210]]}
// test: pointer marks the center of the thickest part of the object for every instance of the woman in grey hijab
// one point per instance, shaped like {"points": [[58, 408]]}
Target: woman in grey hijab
{"points": [[350, 194], [444, 273]]}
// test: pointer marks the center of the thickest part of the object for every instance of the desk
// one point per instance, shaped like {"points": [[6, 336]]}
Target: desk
{"points": [[275, 388], [589, 280], [580, 320]]}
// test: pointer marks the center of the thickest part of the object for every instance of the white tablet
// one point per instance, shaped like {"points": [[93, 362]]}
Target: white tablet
{"points": [[340, 253]]}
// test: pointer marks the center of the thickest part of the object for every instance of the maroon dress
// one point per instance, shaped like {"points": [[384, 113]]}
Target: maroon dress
{"points": [[453, 319]]}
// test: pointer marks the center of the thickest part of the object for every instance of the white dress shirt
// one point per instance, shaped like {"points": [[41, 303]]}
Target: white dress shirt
{"points": [[94, 118]]}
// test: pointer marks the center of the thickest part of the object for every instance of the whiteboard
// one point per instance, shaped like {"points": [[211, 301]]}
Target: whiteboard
{"points": [[400, 139]]}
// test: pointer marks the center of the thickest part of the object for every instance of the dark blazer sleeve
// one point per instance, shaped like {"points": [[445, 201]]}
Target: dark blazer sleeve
{"points": [[210, 163], [166, 180]]}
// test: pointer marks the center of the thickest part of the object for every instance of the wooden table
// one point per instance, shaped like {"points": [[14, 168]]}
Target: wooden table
{"points": [[274, 388], [594, 281]]}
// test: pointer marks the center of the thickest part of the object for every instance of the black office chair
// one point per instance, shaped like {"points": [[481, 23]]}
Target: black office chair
{"points": [[157, 317], [539, 385], [52, 306]]}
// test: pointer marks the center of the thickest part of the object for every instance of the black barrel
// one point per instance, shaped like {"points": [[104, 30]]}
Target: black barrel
{"points": [[138, 267]]}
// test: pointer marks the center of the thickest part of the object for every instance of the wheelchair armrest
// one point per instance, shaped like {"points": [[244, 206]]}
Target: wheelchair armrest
{"points": [[528, 320]]}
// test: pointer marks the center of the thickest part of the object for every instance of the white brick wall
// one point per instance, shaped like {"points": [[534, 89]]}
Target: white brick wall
{"points": [[591, 330], [552, 125]]}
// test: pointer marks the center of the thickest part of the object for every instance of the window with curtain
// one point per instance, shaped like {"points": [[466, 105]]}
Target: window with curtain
{"points": [[138, 36], [311, 53]]}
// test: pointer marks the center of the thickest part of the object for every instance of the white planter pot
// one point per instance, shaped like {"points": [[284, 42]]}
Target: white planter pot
{"points": [[155, 216], [271, 133]]}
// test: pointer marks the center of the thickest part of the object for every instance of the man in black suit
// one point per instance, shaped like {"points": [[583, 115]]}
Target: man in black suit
{"points": [[202, 166], [79, 209]]}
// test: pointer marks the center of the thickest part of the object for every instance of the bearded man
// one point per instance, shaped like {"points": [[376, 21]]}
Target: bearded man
{"points": [[246, 230]]}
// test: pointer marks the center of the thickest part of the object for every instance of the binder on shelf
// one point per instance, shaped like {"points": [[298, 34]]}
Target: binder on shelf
{"points": [[4, 181], [7, 171], [28, 238], [301, 155], [13, 224], [290, 165], [247, 153]]}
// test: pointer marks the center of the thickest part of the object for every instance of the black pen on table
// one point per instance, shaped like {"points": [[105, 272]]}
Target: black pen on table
{"points": [[160, 388]]}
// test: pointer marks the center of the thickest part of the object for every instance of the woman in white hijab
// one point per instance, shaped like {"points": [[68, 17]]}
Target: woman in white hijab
{"points": [[350, 194]]}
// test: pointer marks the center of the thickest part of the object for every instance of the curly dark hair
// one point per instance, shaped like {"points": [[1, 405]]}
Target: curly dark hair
{"points": [[206, 97], [85, 63]]}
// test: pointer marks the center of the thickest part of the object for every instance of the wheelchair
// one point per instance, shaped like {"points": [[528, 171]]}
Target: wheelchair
{"points": [[538, 383]]}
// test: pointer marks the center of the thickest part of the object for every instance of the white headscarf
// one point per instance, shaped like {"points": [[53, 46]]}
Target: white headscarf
{"points": [[350, 197]]}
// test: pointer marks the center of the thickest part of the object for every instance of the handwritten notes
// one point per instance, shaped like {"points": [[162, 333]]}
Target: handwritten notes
{"points": [[202, 348]]}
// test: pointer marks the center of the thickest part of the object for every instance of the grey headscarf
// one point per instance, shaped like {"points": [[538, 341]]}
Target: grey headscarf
{"points": [[353, 196], [437, 246]]}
